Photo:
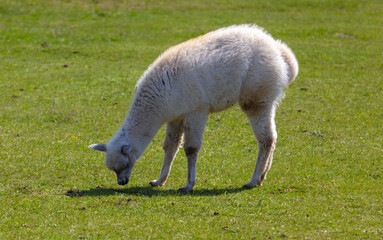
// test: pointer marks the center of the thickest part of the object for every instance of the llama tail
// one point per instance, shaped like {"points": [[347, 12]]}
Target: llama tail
{"points": [[290, 60]]}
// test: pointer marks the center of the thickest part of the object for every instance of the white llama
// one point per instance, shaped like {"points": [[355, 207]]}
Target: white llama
{"points": [[238, 64]]}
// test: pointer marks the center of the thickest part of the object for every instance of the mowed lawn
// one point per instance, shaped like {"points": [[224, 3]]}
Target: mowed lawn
{"points": [[67, 75]]}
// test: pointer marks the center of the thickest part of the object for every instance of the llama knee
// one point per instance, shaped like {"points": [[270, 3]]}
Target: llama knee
{"points": [[267, 140], [191, 150]]}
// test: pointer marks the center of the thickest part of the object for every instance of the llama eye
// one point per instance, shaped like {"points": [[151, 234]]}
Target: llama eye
{"points": [[125, 149]]}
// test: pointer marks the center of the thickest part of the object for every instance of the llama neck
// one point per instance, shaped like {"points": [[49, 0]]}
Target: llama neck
{"points": [[140, 126], [146, 114]]}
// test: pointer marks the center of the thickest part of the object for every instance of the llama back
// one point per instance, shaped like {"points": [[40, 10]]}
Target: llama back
{"points": [[217, 68]]}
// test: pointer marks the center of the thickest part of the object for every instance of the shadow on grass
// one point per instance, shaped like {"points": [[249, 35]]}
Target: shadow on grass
{"points": [[149, 192]]}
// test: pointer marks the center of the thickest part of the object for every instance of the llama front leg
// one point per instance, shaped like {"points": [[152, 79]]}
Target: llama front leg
{"points": [[263, 126], [172, 141], [194, 126]]}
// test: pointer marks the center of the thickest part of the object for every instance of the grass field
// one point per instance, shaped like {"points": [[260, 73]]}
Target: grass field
{"points": [[67, 74]]}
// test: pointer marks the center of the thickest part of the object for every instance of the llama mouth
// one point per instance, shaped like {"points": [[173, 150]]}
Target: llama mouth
{"points": [[122, 181]]}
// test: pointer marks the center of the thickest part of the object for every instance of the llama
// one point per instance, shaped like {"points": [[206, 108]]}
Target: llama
{"points": [[238, 64]]}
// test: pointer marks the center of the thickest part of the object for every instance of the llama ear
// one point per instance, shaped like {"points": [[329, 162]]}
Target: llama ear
{"points": [[126, 149], [98, 147]]}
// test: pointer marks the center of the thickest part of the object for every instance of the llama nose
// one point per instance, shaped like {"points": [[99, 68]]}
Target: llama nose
{"points": [[122, 181]]}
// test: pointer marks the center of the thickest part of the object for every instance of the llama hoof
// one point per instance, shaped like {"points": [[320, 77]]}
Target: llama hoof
{"points": [[156, 183], [185, 189], [251, 185], [248, 186]]}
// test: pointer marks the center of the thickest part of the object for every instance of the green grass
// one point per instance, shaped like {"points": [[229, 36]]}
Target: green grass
{"points": [[67, 74]]}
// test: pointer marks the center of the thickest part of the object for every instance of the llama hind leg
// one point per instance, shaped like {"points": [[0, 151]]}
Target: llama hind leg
{"points": [[263, 126], [173, 138]]}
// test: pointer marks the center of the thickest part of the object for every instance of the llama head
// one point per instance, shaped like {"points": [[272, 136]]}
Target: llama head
{"points": [[118, 158]]}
